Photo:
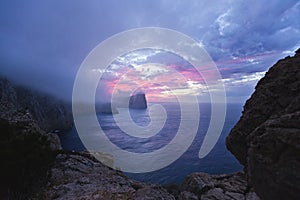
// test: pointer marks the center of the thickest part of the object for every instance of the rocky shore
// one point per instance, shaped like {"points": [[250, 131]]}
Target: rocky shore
{"points": [[78, 175], [265, 140]]}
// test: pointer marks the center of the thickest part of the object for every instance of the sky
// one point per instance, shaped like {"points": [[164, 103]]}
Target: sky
{"points": [[161, 75], [43, 43]]}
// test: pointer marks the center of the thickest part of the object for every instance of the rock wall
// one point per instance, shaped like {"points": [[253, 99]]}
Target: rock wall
{"points": [[49, 112], [266, 139], [77, 175], [27, 150]]}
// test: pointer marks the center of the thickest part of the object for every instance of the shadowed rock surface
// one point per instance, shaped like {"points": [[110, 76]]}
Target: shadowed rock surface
{"points": [[57, 174], [226, 187], [27, 150], [47, 111], [266, 139], [80, 176]]}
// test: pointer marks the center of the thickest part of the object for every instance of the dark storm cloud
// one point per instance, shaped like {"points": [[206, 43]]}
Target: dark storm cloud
{"points": [[44, 42]]}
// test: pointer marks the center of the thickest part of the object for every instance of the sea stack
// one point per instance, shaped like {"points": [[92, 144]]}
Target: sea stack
{"points": [[138, 101]]}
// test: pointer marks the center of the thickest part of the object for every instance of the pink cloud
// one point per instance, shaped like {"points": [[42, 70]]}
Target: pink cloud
{"points": [[127, 79]]}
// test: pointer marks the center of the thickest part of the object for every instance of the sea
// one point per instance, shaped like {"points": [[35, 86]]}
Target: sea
{"points": [[218, 161]]}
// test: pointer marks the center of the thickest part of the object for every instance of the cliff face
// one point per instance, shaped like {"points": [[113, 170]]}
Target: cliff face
{"points": [[47, 111], [266, 139], [27, 150], [36, 168]]}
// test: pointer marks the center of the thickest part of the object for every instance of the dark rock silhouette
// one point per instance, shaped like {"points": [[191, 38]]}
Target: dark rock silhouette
{"points": [[266, 139], [77, 175], [225, 187], [27, 150], [138, 101], [47, 111]]}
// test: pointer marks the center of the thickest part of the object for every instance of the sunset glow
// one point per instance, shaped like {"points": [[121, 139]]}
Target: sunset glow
{"points": [[160, 82]]}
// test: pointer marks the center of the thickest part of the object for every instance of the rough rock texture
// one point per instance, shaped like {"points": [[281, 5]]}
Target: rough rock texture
{"points": [[18, 114], [266, 139], [205, 186], [80, 176], [26, 154], [138, 101], [73, 175], [27, 150], [47, 111]]}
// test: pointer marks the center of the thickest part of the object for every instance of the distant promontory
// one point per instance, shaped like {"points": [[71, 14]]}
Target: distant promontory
{"points": [[106, 108]]}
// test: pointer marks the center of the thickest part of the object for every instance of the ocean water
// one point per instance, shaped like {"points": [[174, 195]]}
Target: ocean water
{"points": [[218, 161]]}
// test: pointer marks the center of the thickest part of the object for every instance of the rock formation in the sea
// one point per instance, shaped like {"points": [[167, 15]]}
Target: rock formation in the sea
{"points": [[266, 139], [36, 168], [138, 101]]}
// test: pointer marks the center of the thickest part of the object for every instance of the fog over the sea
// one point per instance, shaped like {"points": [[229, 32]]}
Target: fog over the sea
{"points": [[44, 42]]}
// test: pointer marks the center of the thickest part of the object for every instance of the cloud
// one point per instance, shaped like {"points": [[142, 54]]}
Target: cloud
{"points": [[241, 79], [44, 43]]}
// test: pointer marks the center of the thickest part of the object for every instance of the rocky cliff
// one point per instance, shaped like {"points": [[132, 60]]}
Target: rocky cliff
{"points": [[34, 167], [27, 150], [266, 139], [47, 111]]}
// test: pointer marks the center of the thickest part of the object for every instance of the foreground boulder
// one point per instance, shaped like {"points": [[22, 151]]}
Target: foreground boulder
{"points": [[266, 139], [35, 167], [80, 176], [225, 187]]}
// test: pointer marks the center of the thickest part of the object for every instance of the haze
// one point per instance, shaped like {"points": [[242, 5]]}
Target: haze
{"points": [[44, 42]]}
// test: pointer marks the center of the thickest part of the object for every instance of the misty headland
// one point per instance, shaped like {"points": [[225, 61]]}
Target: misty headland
{"points": [[21, 124]]}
